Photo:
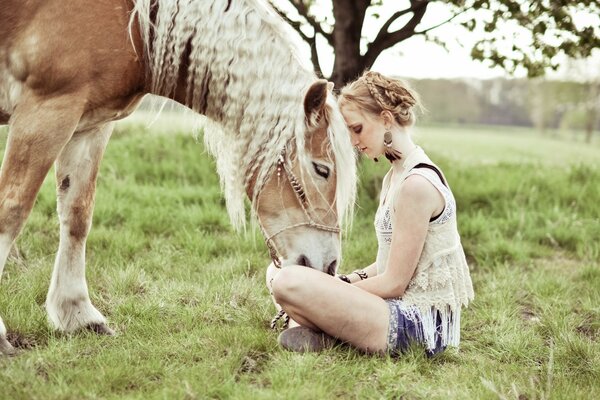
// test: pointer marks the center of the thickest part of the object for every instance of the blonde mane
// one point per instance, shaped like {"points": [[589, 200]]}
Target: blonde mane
{"points": [[243, 73]]}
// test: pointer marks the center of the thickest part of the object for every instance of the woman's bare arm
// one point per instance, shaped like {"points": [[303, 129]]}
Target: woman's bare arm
{"points": [[415, 203], [371, 271]]}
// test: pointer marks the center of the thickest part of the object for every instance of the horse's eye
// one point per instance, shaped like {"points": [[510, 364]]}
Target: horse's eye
{"points": [[321, 170]]}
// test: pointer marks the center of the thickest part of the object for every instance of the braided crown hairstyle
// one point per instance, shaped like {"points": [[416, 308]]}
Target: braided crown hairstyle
{"points": [[375, 93]]}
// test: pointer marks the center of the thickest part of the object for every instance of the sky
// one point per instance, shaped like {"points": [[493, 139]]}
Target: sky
{"points": [[417, 57]]}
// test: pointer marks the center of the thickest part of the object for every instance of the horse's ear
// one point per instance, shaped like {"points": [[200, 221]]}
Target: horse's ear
{"points": [[314, 101]]}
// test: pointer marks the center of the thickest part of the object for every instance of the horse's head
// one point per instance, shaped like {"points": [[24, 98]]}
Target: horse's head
{"points": [[311, 189]]}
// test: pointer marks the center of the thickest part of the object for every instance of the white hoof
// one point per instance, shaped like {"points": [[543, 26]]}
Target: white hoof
{"points": [[70, 315]]}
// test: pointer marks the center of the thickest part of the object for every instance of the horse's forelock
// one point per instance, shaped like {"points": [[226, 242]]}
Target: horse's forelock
{"points": [[345, 162]]}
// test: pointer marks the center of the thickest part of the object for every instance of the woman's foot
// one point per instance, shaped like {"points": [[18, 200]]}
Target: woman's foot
{"points": [[301, 339]]}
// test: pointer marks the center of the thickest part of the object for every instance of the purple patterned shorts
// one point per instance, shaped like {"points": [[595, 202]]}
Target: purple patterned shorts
{"points": [[404, 328]]}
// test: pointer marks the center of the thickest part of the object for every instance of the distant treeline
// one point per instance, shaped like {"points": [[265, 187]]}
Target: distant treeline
{"points": [[543, 104], [535, 103]]}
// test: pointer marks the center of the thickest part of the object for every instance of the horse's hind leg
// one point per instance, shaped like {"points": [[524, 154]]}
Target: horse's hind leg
{"points": [[68, 302], [38, 130]]}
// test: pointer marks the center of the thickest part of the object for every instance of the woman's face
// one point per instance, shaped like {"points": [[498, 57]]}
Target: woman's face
{"points": [[366, 132]]}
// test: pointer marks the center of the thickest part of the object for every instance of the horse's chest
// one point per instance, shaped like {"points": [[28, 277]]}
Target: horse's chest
{"points": [[10, 90], [110, 111]]}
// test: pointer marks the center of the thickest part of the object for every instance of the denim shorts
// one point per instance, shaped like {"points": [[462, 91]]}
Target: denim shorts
{"points": [[405, 326]]}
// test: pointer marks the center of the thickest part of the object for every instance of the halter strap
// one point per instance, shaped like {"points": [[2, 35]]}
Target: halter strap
{"points": [[301, 196]]}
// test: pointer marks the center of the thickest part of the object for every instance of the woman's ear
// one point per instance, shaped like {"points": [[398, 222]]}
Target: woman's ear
{"points": [[387, 118]]}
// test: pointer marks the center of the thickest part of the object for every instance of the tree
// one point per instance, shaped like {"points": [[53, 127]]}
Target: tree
{"points": [[549, 25], [587, 72]]}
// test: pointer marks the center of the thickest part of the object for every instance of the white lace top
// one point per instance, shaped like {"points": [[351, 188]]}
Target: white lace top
{"points": [[441, 284], [383, 216]]}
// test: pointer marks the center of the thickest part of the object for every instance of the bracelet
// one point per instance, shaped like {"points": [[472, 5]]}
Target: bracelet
{"points": [[361, 273], [344, 278]]}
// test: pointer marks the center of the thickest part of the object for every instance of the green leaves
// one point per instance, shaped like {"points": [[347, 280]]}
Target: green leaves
{"points": [[513, 34], [530, 34]]}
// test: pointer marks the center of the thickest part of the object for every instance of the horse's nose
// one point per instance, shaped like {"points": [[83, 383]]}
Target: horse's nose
{"points": [[304, 261], [329, 269]]}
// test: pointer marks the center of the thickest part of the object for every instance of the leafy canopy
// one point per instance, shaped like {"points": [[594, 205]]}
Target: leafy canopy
{"points": [[531, 34]]}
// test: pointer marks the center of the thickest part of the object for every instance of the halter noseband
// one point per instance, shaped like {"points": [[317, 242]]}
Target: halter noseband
{"points": [[301, 196]]}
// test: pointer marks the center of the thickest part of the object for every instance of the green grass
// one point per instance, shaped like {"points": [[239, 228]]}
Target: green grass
{"points": [[187, 294]]}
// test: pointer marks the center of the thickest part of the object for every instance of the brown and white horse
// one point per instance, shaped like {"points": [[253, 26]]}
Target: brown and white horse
{"points": [[68, 70]]}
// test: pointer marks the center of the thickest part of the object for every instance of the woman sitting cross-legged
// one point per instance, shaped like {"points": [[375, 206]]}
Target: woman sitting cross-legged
{"points": [[414, 291]]}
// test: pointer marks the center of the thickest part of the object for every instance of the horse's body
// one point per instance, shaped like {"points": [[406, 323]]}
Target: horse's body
{"points": [[69, 69], [38, 57]]}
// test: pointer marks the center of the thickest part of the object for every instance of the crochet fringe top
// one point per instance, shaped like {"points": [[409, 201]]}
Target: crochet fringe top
{"points": [[441, 284]]}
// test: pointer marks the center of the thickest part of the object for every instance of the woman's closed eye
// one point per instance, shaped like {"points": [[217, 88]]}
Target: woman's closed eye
{"points": [[356, 128]]}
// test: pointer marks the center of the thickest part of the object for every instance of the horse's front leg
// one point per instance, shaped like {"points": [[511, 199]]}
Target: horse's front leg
{"points": [[68, 302], [38, 130]]}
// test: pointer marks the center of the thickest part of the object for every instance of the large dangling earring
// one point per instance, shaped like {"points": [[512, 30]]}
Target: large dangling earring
{"points": [[389, 152]]}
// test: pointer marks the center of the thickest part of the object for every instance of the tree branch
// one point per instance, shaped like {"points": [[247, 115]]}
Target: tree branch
{"points": [[387, 39], [398, 14], [440, 24], [310, 40], [303, 11], [314, 57], [294, 24]]}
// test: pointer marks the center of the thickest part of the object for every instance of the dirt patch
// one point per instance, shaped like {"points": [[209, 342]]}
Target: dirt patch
{"points": [[529, 316], [527, 312], [586, 331], [21, 341], [252, 363]]}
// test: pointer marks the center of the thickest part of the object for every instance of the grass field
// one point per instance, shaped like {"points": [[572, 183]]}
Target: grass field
{"points": [[187, 296]]}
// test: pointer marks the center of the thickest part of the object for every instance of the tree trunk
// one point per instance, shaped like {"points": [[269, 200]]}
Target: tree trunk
{"points": [[590, 123], [589, 131], [538, 106], [348, 64], [593, 104]]}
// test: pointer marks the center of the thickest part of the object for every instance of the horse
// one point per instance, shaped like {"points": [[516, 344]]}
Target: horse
{"points": [[69, 70]]}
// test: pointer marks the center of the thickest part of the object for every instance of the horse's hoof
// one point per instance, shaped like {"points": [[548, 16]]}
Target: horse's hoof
{"points": [[100, 329], [6, 348], [301, 339]]}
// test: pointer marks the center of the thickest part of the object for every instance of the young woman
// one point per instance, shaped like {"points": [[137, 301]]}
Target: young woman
{"points": [[414, 291]]}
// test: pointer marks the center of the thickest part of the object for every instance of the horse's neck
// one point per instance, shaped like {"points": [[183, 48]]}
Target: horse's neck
{"points": [[223, 69]]}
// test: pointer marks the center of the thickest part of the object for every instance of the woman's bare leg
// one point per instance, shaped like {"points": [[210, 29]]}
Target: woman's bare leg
{"points": [[323, 302], [272, 270]]}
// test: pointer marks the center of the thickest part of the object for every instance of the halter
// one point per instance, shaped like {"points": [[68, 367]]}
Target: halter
{"points": [[301, 196]]}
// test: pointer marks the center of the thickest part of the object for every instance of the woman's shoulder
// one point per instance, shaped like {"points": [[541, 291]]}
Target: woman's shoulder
{"points": [[416, 186], [417, 190]]}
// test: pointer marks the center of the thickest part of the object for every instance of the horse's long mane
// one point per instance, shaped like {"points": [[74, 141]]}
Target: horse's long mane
{"points": [[243, 73]]}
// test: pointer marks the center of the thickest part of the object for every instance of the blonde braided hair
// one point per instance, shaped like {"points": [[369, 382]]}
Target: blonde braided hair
{"points": [[375, 93]]}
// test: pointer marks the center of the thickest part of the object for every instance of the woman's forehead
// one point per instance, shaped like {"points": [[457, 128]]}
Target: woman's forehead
{"points": [[352, 114]]}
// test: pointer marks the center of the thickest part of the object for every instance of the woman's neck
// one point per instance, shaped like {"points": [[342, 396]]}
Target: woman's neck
{"points": [[403, 143]]}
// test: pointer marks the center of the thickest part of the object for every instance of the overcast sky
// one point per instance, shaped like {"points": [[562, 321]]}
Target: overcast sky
{"points": [[416, 57], [419, 58]]}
